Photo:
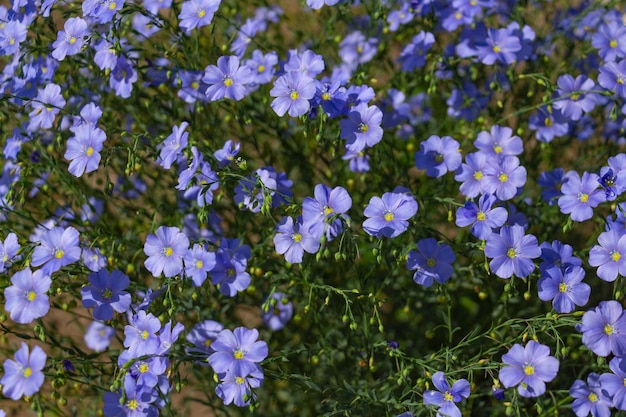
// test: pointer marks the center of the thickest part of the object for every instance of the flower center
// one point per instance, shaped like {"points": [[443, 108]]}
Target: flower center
{"points": [[575, 97], [132, 404], [511, 253], [145, 334], [478, 175], [497, 149], [195, 85], [563, 287], [294, 95], [608, 329], [228, 81], [363, 128], [327, 210], [297, 237], [208, 342], [72, 40], [620, 80], [143, 368], [230, 272], [58, 253], [201, 13], [439, 158], [615, 256], [497, 49], [547, 122], [503, 177], [89, 151], [583, 198], [431, 262], [113, 5], [481, 216], [168, 251], [31, 295], [529, 369], [448, 396], [613, 43], [388, 216], [238, 354], [199, 264], [27, 372], [107, 293], [593, 397], [239, 380], [260, 68], [326, 96]]}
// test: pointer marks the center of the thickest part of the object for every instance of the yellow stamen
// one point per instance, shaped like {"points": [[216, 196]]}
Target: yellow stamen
{"points": [[113, 5], [388, 216], [145, 334], [72, 40], [228, 81], [327, 210], [480, 216], [497, 149], [195, 85], [363, 128], [583, 198], [89, 151], [592, 397], [608, 329], [199, 264], [511, 253], [132, 404], [430, 262], [448, 397], [107, 294], [529, 370], [260, 68], [201, 13], [294, 95], [478, 175], [326, 96], [31, 295], [297, 237], [238, 354], [497, 49], [168, 251], [613, 43], [27, 372], [143, 368], [563, 287], [503, 177], [58, 253], [615, 256], [239, 380]]}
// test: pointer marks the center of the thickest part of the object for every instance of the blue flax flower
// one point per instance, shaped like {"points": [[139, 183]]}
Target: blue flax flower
{"points": [[59, 247], [227, 79], [438, 156], [83, 149], [98, 336], [610, 255], [482, 217], [140, 336], [70, 41], [580, 195], [198, 263], [431, 262], [26, 298], [499, 142], [173, 145], [471, 174], [138, 401], [197, 13], [362, 127], [446, 396], [528, 368], [610, 41], [389, 215], [500, 45], [24, 375], [572, 96], [202, 336], [503, 177], [46, 106], [229, 271], [292, 240], [237, 387], [564, 287], [329, 206], [106, 293], [166, 251], [8, 251], [604, 329], [413, 55], [279, 311], [613, 383], [237, 352], [293, 92], [591, 397], [512, 252]]}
